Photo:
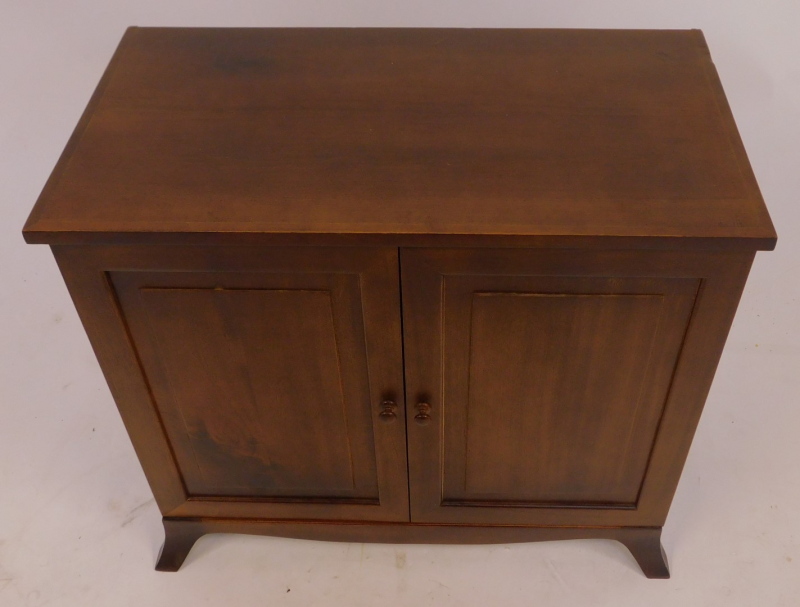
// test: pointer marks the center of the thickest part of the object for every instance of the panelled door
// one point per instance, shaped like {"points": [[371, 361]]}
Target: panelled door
{"points": [[537, 382], [274, 375]]}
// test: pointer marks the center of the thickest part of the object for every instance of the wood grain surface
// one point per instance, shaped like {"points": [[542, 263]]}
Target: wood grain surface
{"points": [[196, 135]]}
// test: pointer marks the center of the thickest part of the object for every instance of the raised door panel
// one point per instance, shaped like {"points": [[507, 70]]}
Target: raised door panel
{"points": [[248, 382], [550, 417], [267, 370], [547, 375]]}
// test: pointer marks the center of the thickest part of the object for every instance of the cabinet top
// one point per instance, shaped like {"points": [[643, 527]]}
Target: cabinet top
{"points": [[204, 135]]}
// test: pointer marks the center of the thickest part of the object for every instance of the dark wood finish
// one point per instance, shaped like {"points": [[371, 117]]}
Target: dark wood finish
{"points": [[261, 372], [645, 546], [644, 543], [413, 132], [179, 538], [552, 376], [568, 217], [246, 414]]}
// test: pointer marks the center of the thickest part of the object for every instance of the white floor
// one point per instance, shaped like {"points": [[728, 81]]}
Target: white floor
{"points": [[78, 525]]}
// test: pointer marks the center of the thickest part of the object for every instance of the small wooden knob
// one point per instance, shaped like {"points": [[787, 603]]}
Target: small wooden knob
{"points": [[387, 414], [423, 417]]}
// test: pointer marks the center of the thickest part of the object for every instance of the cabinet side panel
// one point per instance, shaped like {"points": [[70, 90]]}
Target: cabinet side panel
{"points": [[717, 300], [96, 302]]}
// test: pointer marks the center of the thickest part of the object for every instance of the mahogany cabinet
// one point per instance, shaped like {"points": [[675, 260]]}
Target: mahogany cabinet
{"points": [[408, 285]]}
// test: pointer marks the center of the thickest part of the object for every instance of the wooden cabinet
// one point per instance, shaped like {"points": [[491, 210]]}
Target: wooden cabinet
{"points": [[477, 297]]}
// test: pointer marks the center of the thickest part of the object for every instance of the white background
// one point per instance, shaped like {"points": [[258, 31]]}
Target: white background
{"points": [[77, 522]]}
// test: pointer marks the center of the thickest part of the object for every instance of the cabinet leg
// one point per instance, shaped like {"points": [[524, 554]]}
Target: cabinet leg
{"points": [[645, 546], [179, 537]]}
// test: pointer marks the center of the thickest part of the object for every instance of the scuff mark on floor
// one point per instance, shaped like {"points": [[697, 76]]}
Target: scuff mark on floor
{"points": [[552, 568], [5, 582], [135, 512]]}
